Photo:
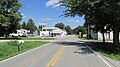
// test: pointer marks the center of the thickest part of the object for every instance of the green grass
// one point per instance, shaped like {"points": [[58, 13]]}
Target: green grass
{"points": [[83, 38], [25, 38], [111, 55], [9, 49], [107, 49]]}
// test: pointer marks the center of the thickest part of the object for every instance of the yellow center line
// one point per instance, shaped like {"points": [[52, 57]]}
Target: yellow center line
{"points": [[54, 57], [55, 61]]}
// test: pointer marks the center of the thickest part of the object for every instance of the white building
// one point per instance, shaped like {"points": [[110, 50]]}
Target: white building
{"points": [[23, 31], [52, 31], [99, 36]]}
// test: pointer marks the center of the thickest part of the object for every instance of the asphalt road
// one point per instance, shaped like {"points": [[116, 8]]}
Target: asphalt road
{"points": [[66, 52]]}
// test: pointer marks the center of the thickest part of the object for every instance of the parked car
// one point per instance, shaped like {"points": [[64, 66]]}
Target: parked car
{"points": [[16, 35]]}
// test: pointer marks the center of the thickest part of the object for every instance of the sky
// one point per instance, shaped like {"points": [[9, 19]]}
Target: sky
{"points": [[47, 11]]}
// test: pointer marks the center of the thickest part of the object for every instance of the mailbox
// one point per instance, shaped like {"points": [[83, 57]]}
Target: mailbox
{"points": [[21, 41]]}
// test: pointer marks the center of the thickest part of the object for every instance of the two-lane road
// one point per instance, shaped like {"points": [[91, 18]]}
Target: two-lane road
{"points": [[64, 53]]}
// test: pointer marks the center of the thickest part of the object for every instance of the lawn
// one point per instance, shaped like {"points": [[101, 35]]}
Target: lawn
{"points": [[9, 49], [107, 49], [83, 38], [25, 38]]}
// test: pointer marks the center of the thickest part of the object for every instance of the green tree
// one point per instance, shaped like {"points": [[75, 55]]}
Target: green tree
{"points": [[99, 13], [9, 16], [31, 26], [19, 26], [60, 25], [79, 29], [68, 29], [39, 29], [24, 25]]}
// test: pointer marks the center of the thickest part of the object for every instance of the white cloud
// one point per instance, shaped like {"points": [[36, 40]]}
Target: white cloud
{"points": [[77, 21], [23, 15], [47, 19], [57, 5], [70, 20], [54, 3]]}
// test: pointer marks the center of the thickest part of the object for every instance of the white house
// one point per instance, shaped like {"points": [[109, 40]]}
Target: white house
{"points": [[99, 36], [52, 31], [23, 31]]}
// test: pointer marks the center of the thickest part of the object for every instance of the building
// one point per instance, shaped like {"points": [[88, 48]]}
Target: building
{"points": [[99, 36], [52, 31], [24, 32]]}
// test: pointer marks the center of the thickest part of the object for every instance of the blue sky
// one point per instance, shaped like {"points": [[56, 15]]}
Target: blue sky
{"points": [[46, 11]]}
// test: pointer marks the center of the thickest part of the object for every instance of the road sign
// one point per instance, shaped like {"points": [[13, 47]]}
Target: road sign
{"points": [[80, 34]]}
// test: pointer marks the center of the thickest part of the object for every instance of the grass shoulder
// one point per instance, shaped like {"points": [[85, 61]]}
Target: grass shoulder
{"points": [[107, 49], [82, 38], [9, 49]]}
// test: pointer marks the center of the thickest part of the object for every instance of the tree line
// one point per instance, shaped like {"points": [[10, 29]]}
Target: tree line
{"points": [[104, 15], [70, 31], [30, 25]]}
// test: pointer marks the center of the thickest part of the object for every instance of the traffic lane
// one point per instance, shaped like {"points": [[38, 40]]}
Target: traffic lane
{"points": [[36, 58], [74, 56], [55, 58]]}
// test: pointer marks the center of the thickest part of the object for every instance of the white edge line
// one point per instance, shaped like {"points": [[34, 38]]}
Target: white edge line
{"points": [[99, 57], [23, 53], [104, 61]]}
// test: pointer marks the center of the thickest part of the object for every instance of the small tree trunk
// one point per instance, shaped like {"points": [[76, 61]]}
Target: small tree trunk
{"points": [[6, 35], [103, 37], [116, 35]]}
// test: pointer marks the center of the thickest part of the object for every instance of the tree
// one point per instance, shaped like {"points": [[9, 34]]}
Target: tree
{"points": [[9, 16], [39, 29], [24, 25], [79, 29], [99, 13], [31, 26], [68, 29], [60, 25]]}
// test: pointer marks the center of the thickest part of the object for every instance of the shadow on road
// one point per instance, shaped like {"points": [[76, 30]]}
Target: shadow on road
{"points": [[84, 50], [82, 47], [68, 43]]}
